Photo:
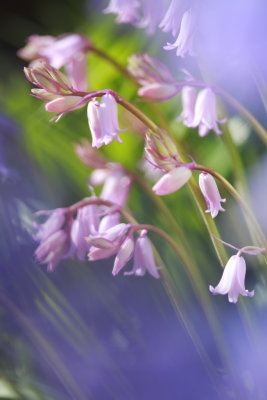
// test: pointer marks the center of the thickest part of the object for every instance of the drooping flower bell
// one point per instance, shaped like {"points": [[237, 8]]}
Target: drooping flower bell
{"points": [[103, 121], [144, 260], [185, 38], [124, 255], [205, 115], [189, 96], [233, 280], [152, 13], [54, 238], [211, 194], [173, 16], [172, 181], [107, 243], [85, 223]]}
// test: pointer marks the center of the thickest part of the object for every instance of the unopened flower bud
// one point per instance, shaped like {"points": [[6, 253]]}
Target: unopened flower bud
{"points": [[64, 104], [172, 181]]}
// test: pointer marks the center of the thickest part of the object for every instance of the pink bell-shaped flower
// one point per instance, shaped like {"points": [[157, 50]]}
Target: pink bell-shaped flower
{"points": [[189, 96], [233, 280], [184, 41], [124, 255], [211, 194], [103, 121], [205, 116], [144, 260]]}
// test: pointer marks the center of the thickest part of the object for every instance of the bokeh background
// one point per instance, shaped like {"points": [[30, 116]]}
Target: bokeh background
{"points": [[80, 333]]}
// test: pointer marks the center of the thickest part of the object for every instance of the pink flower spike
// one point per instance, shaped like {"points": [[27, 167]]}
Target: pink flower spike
{"points": [[124, 255], [205, 113], [233, 280], [144, 258], [189, 96], [211, 194], [184, 41], [172, 181]]}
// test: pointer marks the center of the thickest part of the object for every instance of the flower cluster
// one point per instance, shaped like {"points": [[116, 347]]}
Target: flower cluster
{"points": [[93, 228], [96, 232]]}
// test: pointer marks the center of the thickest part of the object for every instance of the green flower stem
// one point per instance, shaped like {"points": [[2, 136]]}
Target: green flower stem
{"points": [[102, 54]]}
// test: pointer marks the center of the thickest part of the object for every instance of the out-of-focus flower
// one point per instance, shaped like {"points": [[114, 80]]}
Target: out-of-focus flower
{"points": [[147, 69], [158, 91], [233, 280], [172, 181], [124, 255], [35, 44], [116, 187], [54, 222], [144, 260], [85, 223], [173, 16], [103, 120], [53, 249], [154, 77], [185, 38], [152, 14], [189, 96], [54, 239], [211, 194], [90, 156], [205, 113], [126, 10], [68, 51]]}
